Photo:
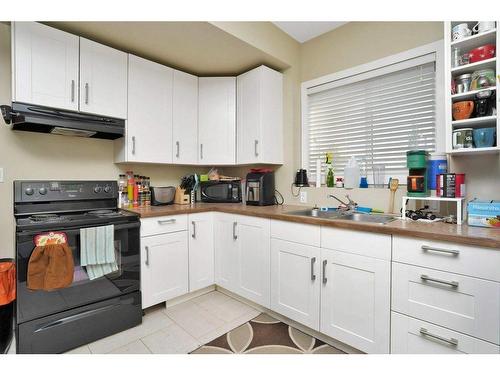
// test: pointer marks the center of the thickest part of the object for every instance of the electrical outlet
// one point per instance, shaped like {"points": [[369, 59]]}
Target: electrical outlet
{"points": [[303, 197]]}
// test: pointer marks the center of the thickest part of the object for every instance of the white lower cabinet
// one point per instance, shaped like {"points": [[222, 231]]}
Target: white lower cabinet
{"points": [[164, 267], [465, 304], [242, 248], [355, 300], [201, 250], [414, 336], [295, 281]]}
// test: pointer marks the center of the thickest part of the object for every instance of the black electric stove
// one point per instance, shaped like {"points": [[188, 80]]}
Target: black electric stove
{"points": [[58, 320]]}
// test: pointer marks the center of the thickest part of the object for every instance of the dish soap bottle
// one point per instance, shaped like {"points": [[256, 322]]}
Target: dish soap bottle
{"points": [[329, 166]]}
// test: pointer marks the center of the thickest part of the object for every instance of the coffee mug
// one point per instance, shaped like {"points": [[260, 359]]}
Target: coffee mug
{"points": [[483, 26], [462, 138], [461, 31], [462, 110], [484, 137]]}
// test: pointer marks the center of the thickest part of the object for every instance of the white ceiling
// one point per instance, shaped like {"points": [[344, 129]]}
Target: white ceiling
{"points": [[303, 31]]}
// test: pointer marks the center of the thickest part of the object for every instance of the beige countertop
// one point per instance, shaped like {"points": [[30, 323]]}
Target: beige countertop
{"points": [[462, 234]]}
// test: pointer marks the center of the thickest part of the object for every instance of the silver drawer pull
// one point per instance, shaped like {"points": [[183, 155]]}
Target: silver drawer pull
{"points": [[194, 229], [72, 90], [235, 236], [313, 276], [324, 272], [424, 332], [147, 255], [440, 250], [453, 284], [177, 144], [166, 221], [86, 93]]}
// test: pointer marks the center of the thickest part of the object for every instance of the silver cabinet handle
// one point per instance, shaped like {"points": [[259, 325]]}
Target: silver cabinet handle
{"points": [[72, 90], [178, 149], [324, 272], [453, 284], [166, 221], [424, 332], [201, 150], [147, 255], [194, 229], [86, 93], [313, 276], [440, 250], [255, 146], [235, 236], [133, 145]]}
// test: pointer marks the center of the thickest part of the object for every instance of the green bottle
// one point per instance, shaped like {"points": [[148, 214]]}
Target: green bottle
{"points": [[329, 176]]}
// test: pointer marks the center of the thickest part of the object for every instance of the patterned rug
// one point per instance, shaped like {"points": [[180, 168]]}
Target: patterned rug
{"points": [[266, 335]]}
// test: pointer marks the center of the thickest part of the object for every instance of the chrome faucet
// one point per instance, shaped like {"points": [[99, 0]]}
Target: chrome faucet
{"points": [[346, 206]]}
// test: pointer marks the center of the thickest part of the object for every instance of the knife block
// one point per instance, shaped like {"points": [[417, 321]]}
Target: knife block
{"points": [[181, 197]]}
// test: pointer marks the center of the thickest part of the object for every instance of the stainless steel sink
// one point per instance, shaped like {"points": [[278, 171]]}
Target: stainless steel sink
{"points": [[367, 218], [349, 216]]}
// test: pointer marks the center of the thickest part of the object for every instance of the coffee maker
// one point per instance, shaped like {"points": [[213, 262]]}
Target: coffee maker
{"points": [[260, 188], [416, 185]]}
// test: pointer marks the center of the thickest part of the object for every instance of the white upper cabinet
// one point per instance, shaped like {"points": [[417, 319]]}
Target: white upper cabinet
{"points": [[217, 120], [149, 126], [103, 80], [260, 116], [44, 66], [185, 118]]}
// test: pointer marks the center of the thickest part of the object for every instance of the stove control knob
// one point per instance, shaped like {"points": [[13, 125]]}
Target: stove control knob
{"points": [[97, 189], [107, 189], [29, 191], [42, 191]]}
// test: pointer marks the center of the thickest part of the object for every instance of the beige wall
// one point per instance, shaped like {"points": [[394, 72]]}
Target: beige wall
{"points": [[357, 43]]}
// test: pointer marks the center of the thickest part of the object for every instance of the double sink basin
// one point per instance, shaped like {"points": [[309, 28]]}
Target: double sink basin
{"points": [[345, 216]]}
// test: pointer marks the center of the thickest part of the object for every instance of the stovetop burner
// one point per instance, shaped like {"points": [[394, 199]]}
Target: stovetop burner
{"points": [[43, 218], [104, 213]]}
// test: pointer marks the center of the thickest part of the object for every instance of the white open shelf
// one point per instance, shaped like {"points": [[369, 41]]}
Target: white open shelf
{"points": [[470, 94], [459, 202], [469, 68], [474, 122], [475, 151], [471, 42]]}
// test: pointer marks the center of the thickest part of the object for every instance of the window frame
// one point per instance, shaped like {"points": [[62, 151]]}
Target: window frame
{"points": [[377, 68]]}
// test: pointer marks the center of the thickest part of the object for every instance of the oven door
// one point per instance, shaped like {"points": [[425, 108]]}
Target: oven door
{"points": [[32, 304]]}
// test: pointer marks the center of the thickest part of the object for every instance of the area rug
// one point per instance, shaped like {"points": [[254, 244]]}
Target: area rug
{"points": [[266, 335]]}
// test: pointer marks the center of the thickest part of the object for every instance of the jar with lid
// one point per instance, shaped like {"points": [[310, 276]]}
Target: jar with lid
{"points": [[463, 83]]}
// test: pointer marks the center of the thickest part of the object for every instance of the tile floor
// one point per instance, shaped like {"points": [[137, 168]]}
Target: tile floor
{"points": [[179, 329]]}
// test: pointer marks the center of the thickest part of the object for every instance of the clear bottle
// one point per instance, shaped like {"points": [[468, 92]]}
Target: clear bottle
{"points": [[122, 191], [130, 186], [329, 166]]}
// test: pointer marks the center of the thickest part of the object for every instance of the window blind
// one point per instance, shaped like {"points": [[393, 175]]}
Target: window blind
{"points": [[376, 117]]}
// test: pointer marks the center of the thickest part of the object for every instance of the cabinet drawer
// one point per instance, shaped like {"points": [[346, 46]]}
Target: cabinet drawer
{"points": [[306, 234], [413, 336], [467, 260], [368, 244], [163, 224], [461, 303]]}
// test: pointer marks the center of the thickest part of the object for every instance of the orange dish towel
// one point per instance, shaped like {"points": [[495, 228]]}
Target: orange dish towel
{"points": [[50, 267], [7, 282]]}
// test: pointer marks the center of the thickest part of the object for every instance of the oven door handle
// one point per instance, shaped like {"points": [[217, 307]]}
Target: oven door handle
{"points": [[77, 230]]}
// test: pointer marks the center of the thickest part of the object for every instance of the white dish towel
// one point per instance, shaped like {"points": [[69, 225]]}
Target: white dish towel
{"points": [[97, 251]]}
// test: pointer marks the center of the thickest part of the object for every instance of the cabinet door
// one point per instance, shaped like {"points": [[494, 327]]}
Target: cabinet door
{"points": [[103, 80], [295, 281], [260, 116], [249, 117], [45, 66], [217, 120], [355, 300], [164, 267], [149, 124], [254, 243], [201, 250], [185, 118], [226, 251]]}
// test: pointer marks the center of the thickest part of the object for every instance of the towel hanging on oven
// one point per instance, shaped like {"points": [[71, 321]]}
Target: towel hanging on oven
{"points": [[50, 267], [97, 251]]}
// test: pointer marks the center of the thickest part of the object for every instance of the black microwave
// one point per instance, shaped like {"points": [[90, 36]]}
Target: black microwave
{"points": [[220, 191]]}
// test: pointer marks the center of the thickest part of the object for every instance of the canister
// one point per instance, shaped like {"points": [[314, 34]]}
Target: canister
{"points": [[459, 185], [437, 164], [445, 186]]}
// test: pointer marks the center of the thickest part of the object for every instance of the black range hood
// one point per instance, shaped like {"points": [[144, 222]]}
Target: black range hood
{"points": [[33, 118]]}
